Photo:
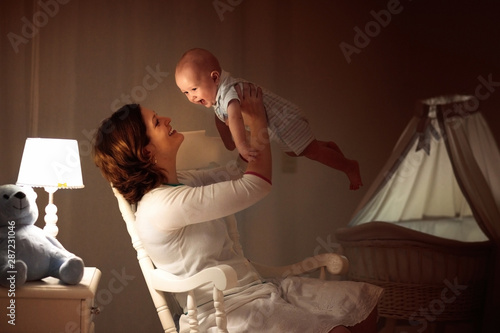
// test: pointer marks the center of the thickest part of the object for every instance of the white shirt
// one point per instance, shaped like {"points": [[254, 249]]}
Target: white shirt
{"points": [[183, 227]]}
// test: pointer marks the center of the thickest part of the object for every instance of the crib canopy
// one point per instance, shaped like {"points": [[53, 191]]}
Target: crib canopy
{"points": [[443, 175]]}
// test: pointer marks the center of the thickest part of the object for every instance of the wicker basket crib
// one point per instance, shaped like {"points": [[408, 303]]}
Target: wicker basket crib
{"points": [[426, 278]]}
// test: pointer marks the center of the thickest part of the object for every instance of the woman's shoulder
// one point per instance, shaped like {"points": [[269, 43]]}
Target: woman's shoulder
{"points": [[159, 200], [153, 195]]}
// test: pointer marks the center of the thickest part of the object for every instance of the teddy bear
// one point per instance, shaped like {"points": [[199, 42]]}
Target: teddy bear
{"points": [[26, 252]]}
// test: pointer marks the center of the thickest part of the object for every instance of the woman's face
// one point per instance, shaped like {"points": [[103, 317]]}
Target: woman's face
{"points": [[164, 140]]}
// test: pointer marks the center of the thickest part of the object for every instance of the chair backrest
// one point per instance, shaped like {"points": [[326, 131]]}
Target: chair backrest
{"points": [[165, 303]]}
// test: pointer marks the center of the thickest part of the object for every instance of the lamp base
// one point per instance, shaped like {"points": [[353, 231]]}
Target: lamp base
{"points": [[51, 218]]}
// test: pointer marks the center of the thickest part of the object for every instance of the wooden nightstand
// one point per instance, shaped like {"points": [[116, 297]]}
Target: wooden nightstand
{"points": [[47, 306]]}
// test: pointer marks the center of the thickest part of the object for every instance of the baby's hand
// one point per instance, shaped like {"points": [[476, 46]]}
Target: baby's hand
{"points": [[247, 152]]}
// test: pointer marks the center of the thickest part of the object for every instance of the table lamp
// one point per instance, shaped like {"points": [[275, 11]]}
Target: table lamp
{"points": [[52, 164]]}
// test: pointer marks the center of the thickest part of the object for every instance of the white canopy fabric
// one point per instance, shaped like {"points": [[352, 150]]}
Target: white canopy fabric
{"points": [[445, 166]]}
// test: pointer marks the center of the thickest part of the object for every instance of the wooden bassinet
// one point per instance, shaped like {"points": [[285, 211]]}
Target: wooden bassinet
{"points": [[426, 278]]}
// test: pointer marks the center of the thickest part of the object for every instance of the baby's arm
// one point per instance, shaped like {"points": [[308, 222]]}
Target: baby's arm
{"points": [[225, 134], [238, 131]]}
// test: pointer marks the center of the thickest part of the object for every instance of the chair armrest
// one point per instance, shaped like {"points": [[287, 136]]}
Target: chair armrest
{"points": [[334, 263], [222, 277]]}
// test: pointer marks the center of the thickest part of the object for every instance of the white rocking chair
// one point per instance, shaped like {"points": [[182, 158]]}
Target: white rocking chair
{"points": [[162, 285]]}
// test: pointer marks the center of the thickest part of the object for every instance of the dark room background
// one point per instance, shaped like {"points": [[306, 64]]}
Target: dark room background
{"points": [[357, 68]]}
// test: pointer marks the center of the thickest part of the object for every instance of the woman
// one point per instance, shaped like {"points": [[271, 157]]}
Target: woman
{"points": [[180, 219]]}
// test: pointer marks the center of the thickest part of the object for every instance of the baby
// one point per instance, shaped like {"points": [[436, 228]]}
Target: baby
{"points": [[200, 77]]}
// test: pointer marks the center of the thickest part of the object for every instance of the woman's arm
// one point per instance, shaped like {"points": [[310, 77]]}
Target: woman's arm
{"points": [[231, 170], [238, 131], [254, 114], [172, 208]]}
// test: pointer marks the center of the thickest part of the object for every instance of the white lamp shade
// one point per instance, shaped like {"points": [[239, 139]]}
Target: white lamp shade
{"points": [[51, 163]]}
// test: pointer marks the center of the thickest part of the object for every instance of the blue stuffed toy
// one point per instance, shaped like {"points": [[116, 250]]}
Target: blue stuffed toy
{"points": [[26, 252]]}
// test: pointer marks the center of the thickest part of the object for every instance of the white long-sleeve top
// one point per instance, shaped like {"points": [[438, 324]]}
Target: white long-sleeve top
{"points": [[183, 227]]}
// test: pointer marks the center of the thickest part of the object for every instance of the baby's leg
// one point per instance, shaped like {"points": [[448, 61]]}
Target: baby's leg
{"points": [[331, 145], [329, 153]]}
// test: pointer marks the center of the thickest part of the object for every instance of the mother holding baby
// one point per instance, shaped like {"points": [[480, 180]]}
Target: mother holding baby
{"points": [[180, 219]]}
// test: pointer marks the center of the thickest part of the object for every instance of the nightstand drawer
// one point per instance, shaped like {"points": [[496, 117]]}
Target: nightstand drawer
{"points": [[49, 306]]}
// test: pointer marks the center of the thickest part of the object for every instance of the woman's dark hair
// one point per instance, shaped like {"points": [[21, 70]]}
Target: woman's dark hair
{"points": [[119, 152]]}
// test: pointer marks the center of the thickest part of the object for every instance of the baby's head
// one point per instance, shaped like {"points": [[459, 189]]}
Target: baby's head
{"points": [[197, 75]]}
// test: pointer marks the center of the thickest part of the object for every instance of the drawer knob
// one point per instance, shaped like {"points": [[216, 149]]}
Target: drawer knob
{"points": [[95, 310]]}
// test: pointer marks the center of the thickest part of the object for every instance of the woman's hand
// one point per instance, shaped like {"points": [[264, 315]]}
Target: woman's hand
{"points": [[251, 104], [254, 115]]}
